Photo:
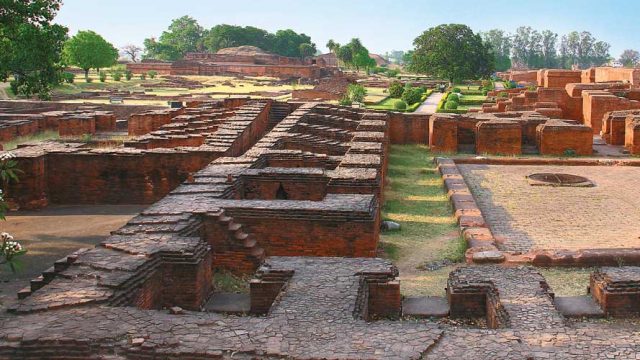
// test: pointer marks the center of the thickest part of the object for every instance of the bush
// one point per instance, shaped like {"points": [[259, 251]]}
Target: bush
{"points": [[485, 92], [396, 89], [457, 90], [412, 95], [453, 97], [88, 80], [451, 105], [503, 95], [356, 93], [128, 75], [400, 105], [14, 87], [143, 76], [117, 76], [68, 77], [345, 101], [152, 74], [103, 76], [393, 72]]}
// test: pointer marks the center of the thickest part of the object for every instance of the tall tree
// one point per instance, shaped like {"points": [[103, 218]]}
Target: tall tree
{"points": [[629, 58], [500, 47], [453, 52], [132, 51], [183, 35], [549, 43], [88, 50], [287, 43], [30, 46], [332, 45]]}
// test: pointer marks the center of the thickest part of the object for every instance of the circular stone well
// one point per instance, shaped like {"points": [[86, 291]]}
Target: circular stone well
{"points": [[558, 179]]}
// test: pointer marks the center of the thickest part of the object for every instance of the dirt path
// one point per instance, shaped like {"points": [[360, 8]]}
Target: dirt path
{"points": [[3, 91]]}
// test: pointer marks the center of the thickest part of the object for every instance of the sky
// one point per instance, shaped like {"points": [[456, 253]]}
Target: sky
{"points": [[382, 25]]}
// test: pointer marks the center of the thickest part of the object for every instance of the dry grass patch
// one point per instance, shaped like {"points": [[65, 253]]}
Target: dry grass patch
{"points": [[567, 281]]}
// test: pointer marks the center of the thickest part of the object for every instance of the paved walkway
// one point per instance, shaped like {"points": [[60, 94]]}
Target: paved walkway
{"points": [[429, 106]]}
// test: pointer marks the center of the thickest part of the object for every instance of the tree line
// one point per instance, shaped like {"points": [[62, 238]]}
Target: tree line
{"points": [[185, 35], [532, 49]]}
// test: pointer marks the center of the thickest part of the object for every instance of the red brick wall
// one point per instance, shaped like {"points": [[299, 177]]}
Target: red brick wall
{"points": [[499, 138], [408, 128], [384, 300], [91, 178], [312, 237], [187, 285]]}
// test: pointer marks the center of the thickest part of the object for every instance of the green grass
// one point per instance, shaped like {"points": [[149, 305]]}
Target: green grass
{"points": [[47, 135], [567, 282], [386, 104], [415, 198], [224, 281]]}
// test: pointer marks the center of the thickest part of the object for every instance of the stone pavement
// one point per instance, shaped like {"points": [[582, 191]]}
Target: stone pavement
{"points": [[430, 105], [524, 218], [314, 318]]}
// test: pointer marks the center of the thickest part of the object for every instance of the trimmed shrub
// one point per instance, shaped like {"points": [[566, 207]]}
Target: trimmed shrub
{"points": [[393, 72], [117, 76], [88, 80], [457, 90], [103, 76], [400, 105], [412, 95], [396, 89], [143, 76], [68, 77], [152, 74], [453, 97], [128, 75], [451, 105]]}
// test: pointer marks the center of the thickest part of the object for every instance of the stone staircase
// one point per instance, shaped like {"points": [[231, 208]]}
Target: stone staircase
{"points": [[279, 111], [240, 248]]}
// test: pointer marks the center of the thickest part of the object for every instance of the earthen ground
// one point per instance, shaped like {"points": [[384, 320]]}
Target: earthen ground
{"points": [[525, 218], [55, 232]]}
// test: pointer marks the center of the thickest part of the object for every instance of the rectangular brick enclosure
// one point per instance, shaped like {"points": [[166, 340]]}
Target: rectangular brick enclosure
{"points": [[525, 218]]}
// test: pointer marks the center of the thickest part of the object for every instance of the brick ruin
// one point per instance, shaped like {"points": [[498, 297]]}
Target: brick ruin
{"points": [[240, 61], [291, 193], [508, 133], [585, 96]]}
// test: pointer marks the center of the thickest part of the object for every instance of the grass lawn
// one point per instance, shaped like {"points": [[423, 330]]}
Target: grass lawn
{"points": [[567, 281], [375, 95], [416, 200], [225, 85], [386, 104], [47, 135]]}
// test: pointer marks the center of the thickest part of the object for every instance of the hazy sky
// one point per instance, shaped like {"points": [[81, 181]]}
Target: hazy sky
{"points": [[382, 25]]}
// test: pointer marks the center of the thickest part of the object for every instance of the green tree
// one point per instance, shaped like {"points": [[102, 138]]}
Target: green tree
{"points": [[88, 50], [453, 52], [182, 36], [287, 43], [500, 47], [306, 50], [332, 46], [630, 58], [30, 46]]}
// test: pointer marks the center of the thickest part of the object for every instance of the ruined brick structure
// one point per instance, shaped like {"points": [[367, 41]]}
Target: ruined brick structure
{"points": [[508, 133], [244, 60]]}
